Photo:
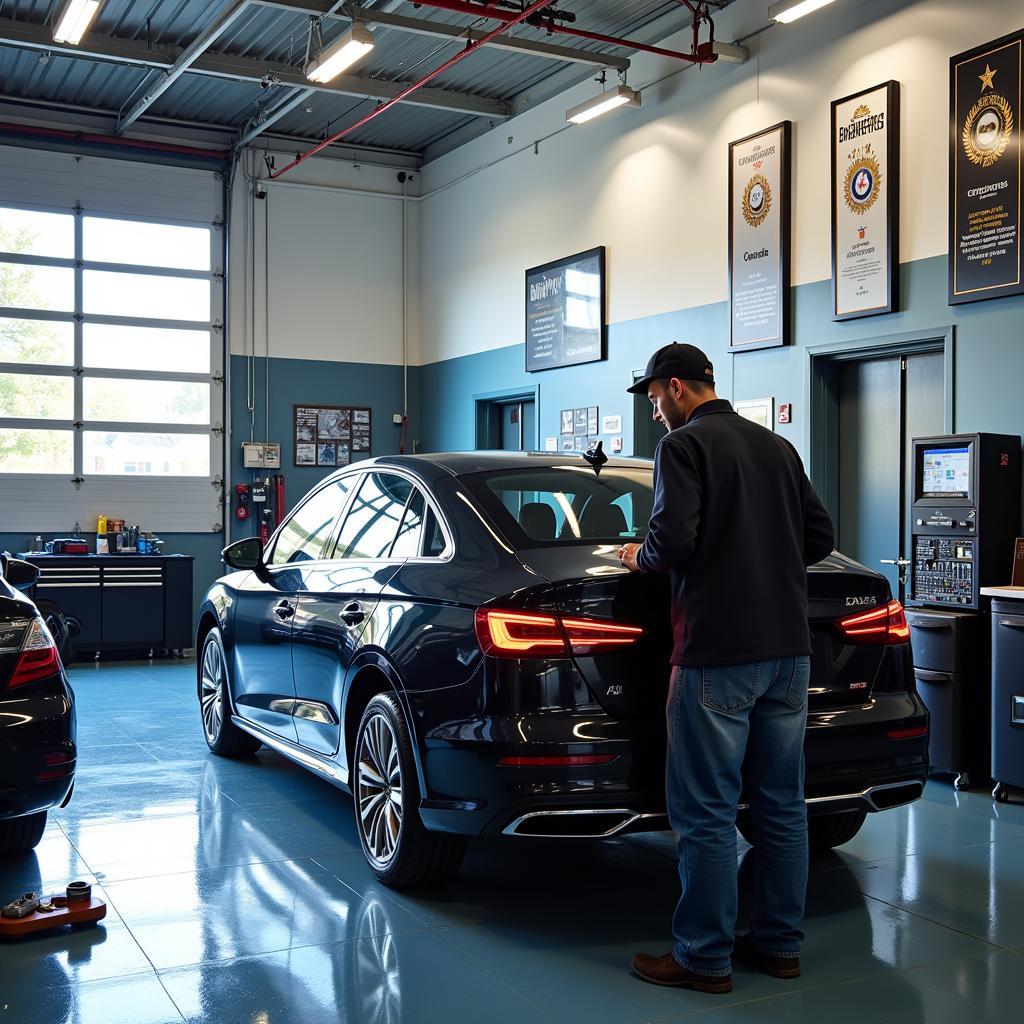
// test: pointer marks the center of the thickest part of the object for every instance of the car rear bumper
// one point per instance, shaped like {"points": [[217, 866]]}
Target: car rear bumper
{"points": [[855, 764], [38, 727]]}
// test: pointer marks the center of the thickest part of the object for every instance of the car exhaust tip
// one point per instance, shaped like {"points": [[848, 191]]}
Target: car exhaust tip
{"points": [[882, 798], [589, 823]]}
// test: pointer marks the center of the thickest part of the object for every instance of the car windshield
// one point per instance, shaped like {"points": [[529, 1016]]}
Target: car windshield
{"points": [[554, 505]]}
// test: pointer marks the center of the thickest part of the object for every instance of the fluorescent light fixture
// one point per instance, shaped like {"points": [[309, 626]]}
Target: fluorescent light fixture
{"points": [[74, 18], [348, 48], [620, 96], [790, 10]]}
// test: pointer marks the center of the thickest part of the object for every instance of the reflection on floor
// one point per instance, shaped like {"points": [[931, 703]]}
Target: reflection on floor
{"points": [[237, 893]]}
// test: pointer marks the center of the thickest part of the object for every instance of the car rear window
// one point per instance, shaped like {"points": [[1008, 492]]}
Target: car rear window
{"points": [[554, 505]]}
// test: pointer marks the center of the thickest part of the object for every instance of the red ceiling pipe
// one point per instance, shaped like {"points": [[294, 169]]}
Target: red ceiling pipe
{"points": [[703, 54], [515, 19]]}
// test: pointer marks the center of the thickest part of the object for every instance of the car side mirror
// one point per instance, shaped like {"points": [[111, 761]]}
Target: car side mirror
{"points": [[244, 554], [19, 574]]}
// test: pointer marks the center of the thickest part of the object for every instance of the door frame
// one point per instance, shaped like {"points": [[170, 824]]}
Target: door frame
{"points": [[486, 419], [821, 429]]}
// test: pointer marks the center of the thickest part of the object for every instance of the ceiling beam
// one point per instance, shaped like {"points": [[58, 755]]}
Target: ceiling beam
{"points": [[269, 117], [443, 30], [243, 69], [182, 63]]}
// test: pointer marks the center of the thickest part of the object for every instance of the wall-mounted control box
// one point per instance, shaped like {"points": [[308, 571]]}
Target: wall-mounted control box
{"points": [[261, 455]]}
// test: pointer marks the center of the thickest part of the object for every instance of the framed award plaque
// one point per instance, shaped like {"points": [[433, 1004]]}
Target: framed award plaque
{"points": [[865, 202], [759, 183], [985, 171]]}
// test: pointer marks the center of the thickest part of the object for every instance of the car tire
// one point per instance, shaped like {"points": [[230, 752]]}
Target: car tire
{"points": [[823, 833], [19, 835], [399, 849], [223, 737]]}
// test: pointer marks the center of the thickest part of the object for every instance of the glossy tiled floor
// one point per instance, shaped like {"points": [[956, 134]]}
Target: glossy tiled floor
{"points": [[237, 893]]}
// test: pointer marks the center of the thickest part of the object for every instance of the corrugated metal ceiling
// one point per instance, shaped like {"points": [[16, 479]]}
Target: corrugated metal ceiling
{"points": [[277, 39]]}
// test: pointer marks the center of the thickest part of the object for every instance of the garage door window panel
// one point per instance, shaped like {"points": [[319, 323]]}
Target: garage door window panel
{"points": [[145, 244], [146, 296], [145, 453], [36, 396], [30, 286], [157, 349], [135, 400], [37, 342], [36, 451]]}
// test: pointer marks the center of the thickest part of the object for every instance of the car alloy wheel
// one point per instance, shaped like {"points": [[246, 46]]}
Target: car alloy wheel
{"points": [[380, 789], [212, 696]]}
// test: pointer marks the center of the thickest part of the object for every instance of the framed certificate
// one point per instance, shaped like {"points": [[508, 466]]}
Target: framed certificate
{"points": [[759, 234], [985, 180], [865, 202]]}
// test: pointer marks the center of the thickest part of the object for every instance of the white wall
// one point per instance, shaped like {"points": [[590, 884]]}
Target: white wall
{"points": [[651, 183], [332, 286]]}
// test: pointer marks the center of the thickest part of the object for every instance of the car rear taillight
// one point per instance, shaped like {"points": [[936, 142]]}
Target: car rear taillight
{"points": [[515, 634], [38, 659], [884, 625]]}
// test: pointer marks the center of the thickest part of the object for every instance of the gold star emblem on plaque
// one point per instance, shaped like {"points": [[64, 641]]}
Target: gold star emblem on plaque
{"points": [[986, 79]]}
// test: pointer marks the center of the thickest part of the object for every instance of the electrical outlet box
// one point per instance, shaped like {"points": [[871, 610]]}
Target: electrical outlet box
{"points": [[261, 455], [397, 419]]}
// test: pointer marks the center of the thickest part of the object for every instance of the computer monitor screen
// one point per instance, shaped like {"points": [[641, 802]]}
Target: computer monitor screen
{"points": [[945, 472]]}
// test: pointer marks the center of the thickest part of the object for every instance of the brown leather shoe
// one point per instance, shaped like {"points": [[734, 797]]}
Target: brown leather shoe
{"points": [[666, 970], [746, 952]]}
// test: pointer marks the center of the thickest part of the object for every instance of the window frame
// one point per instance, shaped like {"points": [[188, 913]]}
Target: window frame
{"points": [[430, 502], [78, 425]]}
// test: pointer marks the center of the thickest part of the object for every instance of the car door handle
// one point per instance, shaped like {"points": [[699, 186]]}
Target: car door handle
{"points": [[352, 614], [284, 610]]}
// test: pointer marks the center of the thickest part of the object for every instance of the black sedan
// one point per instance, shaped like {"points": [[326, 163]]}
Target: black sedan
{"points": [[452, 639], [37, 715]]}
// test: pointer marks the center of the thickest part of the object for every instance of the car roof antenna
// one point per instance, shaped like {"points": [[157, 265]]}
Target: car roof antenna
{"points": [[596, 457]]}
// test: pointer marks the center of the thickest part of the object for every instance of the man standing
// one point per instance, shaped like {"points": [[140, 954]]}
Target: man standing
{"points": [[735, 524]]}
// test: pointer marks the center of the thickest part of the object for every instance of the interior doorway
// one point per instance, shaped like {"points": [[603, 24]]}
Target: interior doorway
{"points": [[507, 422], [866, 407], [883, 404]]}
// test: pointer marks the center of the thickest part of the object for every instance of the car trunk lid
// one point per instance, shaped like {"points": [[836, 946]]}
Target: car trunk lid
{"points": [[632, 682]]}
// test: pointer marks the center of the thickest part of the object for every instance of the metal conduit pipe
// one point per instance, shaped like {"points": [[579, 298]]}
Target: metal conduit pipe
{"points": [[528, 12], [702, 54]]}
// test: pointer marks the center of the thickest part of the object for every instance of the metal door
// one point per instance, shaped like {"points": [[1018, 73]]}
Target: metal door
{"points": [[517, 426], [883, 404]]}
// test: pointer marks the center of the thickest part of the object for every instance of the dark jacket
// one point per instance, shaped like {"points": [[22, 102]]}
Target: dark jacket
{"points": [[735, 522]]}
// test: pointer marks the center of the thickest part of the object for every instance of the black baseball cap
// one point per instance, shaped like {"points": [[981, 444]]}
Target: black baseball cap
{"points": [[686, 362]]}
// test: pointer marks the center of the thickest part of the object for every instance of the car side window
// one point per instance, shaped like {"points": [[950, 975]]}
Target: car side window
{"points": [[303, 536], [434, 541], [407, 543], [371, 525]]}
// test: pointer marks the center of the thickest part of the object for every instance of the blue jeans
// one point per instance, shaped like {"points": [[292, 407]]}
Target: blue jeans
{"points": [[738, 727]]}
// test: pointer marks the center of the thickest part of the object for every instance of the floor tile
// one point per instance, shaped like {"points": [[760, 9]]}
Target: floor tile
{"points": [[983, 989], [52, 864], [225, 913], [383, 978], [67, 956], [976, 890], [46, 1000]]}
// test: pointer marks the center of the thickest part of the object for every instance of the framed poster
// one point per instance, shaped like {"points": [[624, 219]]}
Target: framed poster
{"points": [[759, 235], [565, 311], [985, 171], [865, 202], [566, 419], [758, 410], [329, 435]]}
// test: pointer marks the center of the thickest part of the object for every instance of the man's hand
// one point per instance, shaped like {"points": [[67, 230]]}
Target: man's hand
{"points": [[627, 556]]}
